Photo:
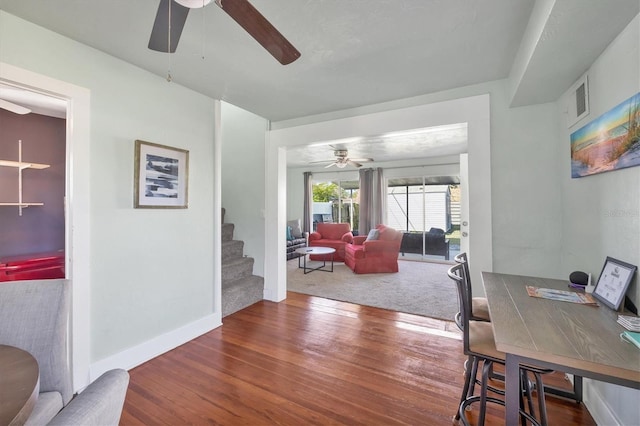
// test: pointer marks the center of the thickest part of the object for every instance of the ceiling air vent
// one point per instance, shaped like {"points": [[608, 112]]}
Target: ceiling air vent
{"points": [[578, 101]]}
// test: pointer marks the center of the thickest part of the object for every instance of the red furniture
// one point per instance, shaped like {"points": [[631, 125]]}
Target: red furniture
{"points": [[334, 235], [37, 266], [373, 256]]}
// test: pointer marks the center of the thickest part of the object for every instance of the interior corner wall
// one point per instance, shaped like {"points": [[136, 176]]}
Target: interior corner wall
{"points": [[151, 270], [243, 179], [295, 193], [601, 212]]}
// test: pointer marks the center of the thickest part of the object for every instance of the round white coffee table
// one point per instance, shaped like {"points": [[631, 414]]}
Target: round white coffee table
{"points": [[304, 251]]}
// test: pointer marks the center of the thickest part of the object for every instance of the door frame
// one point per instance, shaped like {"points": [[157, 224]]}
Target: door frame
{"points": [[474, 110], [77, 213]]}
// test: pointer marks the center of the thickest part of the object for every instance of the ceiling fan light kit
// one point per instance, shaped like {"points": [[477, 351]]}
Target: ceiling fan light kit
{"points": [[15, 108], [172, 15], [342, 160], [193, 4]]}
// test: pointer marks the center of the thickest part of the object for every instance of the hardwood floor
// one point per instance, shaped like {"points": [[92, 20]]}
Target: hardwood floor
{"points": [[309, 360]]}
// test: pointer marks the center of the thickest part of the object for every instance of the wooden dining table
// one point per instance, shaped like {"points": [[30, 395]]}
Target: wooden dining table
{"points": [[19, 385], [578, 339]]}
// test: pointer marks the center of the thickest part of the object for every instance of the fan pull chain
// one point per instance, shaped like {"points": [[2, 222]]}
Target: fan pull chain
{"points": [[204, 35], [169, 77]]}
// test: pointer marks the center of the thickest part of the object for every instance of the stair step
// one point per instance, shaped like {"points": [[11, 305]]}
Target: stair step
{"points": [[235, 269], [227, 231], [232, 249], [241, 293], [240, 288]]}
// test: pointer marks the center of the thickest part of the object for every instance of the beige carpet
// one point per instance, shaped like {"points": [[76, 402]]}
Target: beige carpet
{"points": [[418, 288]]}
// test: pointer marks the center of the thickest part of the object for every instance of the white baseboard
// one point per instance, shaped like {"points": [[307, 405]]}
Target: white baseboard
{"points": [[597, 405], [150, 349]]}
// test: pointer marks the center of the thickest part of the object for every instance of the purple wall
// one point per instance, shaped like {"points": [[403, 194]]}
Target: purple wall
{"points": [[40, 228]]}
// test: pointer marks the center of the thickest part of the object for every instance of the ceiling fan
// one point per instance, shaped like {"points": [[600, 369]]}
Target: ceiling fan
{"points": [[342, 159], [172, 14]]}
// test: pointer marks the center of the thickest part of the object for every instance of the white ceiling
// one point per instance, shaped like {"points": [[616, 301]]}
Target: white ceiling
{"points": [[354, 52], [437, 141]]}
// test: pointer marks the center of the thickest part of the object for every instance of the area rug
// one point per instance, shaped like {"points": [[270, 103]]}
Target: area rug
{"points": [[418, 288]]}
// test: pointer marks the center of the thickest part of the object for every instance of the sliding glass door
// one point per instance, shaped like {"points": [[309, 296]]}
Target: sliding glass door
{"points": [[336, 201], [427, 210]]}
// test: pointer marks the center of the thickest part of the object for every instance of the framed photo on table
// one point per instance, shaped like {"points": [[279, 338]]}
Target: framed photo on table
{"points": [[161, 176], [613, 282]]}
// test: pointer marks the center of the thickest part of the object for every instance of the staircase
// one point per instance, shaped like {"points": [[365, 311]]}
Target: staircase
{"points": [[239, 287]]}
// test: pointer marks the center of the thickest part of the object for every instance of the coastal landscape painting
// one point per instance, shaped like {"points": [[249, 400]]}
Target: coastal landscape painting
{"points": [[610, 142]]}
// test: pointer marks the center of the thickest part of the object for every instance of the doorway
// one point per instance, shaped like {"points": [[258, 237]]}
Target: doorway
{"points": [[427, 210], [474, 110], [77, 231]]}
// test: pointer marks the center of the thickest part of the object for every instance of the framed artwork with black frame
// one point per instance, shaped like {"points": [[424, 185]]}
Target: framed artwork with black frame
{"points": [[613, 282]]}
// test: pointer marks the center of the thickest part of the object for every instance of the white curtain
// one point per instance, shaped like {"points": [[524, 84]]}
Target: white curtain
{"points": [[308, 202], [372, 199]]}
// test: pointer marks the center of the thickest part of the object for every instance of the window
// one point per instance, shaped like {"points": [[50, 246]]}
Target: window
{"points": [[336, 202]]}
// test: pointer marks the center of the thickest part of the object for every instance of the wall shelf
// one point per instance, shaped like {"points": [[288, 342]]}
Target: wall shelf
{"points": [[21, 165]]}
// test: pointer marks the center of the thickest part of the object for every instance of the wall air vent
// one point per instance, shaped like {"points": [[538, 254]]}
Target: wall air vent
{"points": [[581, 102], [578, 101]]}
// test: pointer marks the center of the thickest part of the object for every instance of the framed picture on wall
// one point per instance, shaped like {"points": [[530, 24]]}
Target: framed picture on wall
{"points": [[609, 142], [613, 282], [161, 176]]}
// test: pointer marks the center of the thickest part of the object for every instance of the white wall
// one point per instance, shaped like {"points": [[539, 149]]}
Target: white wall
{"points": [[601, 213], [243, 175], [525, 194], [473, 110], [151, 271], [544, 222], [295, 193]]}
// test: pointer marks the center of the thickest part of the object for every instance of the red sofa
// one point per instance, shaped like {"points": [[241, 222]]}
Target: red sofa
{"points": [[334, 235], [371, 256]]}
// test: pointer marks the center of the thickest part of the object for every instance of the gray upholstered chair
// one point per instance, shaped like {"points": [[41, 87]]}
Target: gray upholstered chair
{"points": [[34, 316], [99, 404]]}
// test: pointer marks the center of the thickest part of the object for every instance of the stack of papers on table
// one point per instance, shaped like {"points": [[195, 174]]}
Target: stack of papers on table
{"points": [[630, 322], [561, 295]]}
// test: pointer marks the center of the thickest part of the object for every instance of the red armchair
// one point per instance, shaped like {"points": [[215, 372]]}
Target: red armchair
{"points": [[371, 256], [334, 235]]}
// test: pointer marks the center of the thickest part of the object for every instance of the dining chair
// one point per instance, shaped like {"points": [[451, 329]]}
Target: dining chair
{"points": [[99, 404], [479, 345], [34, 316], [479, 306]]}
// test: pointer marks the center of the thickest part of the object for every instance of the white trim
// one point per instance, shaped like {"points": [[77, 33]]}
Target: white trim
{"points": [[217, 211], [150, 349], [597, 405], [77, 206], [474, 110]]}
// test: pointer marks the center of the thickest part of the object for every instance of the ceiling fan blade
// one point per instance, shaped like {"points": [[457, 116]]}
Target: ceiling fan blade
{"points": [[260, 29], [160, 37], [15, 108], [330, 165], [362, 160], [353, 163], [322, 161]]}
